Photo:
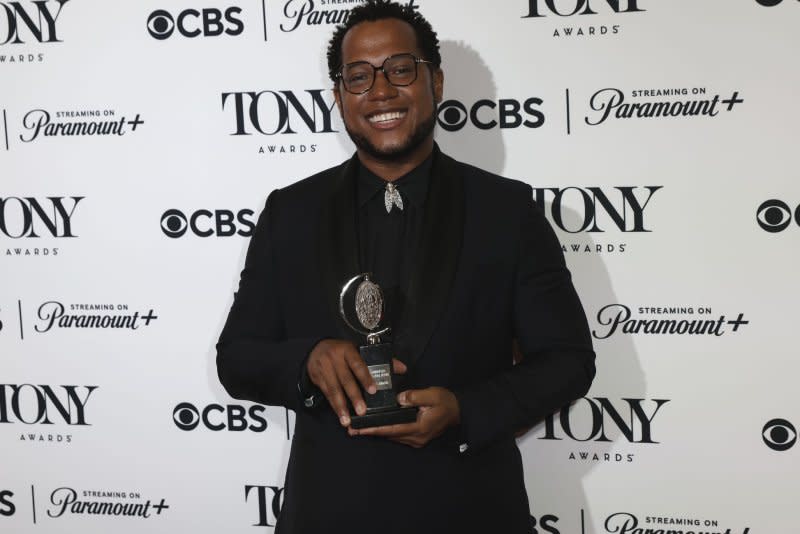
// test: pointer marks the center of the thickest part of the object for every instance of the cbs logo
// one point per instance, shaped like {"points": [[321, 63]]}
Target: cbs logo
{"points": [[206, 223], [779, 434], [487, 114], [193, 23], [216, 417], [775, 215]]}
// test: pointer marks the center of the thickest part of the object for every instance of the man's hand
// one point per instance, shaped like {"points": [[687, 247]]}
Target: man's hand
{"points": [[336, 368], [438, 410]]}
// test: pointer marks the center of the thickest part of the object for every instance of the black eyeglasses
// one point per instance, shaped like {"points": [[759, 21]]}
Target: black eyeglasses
{"points": [[400, 70]]}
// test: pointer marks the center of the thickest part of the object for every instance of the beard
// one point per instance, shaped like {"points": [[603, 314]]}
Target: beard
{"points": [[399, 152]]}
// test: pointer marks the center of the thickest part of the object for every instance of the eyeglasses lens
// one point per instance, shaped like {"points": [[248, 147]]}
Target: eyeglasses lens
{"points": [[400, 71]]}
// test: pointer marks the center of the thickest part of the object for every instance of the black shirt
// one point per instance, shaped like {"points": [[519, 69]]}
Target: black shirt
{"points": [[388, 241]]}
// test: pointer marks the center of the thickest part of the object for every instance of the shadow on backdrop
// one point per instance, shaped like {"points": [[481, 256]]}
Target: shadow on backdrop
{"points": [[559, 465], [467, 79]]}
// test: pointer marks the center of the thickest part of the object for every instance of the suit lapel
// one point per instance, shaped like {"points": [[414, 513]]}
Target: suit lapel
{"points": [[338, 243], [436, 260]]}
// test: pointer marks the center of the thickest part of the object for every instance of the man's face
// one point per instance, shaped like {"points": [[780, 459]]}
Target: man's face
{"points": [[388, 122]]}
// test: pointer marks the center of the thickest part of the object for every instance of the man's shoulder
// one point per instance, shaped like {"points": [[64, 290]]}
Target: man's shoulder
{"points": [[483, 181], [315, 185]]}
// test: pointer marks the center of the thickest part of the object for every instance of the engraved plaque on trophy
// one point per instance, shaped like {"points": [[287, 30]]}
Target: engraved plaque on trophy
{"points": [[362, 307]]}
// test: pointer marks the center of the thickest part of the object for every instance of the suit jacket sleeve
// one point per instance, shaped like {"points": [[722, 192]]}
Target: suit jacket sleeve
{"points": [[255, 360], [553, 335]]}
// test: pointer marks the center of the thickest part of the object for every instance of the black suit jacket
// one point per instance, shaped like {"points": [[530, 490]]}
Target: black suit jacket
{"points": [[489, 270]]}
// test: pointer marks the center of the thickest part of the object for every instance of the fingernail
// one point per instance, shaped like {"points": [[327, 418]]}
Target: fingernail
{"points": [[361, 408], [344, 420], [372, 390], [401, 398]]}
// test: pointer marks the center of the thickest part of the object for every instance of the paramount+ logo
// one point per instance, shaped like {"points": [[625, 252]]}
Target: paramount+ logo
{"points": [[486, 114], [208, 22], [207, 223], [568, 8], [23, 22], [216, 417]]}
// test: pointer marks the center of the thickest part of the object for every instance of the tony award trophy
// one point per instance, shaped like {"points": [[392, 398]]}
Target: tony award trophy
{"points": [[364, 297]]}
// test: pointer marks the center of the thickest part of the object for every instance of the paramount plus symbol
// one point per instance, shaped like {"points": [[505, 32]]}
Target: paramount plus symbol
{"points": [[611, 103], [66, 499], [627, 523], [53, 313], [618, 317], [299, 11], [39, 121]]}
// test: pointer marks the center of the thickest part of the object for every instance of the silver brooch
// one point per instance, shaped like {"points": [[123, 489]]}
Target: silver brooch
{"points": [[391, 197]]}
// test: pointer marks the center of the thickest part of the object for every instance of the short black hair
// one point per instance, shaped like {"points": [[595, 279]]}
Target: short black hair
{"points": [[373, 10]]}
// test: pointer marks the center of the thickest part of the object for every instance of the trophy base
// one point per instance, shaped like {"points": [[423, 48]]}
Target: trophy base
{"points": [[387, 416]]}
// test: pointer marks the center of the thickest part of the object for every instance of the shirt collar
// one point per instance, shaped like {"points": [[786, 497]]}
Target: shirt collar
{"points": [[412, 185]]}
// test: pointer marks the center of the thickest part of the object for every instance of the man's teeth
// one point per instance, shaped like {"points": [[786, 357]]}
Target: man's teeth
{"points": [[381, 117]]}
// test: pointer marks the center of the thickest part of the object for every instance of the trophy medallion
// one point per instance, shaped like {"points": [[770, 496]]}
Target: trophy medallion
{"points": [[362, 307]]}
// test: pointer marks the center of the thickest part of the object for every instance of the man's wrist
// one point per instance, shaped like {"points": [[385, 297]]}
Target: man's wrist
{"points": [[310, 394], [455, 409]]}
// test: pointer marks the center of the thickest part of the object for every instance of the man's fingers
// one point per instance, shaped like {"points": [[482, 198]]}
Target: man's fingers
{"points": [[339, 404], [332, 390], [398, 367], [390, 431], [350, 386], [360, 370], [418, 397]]}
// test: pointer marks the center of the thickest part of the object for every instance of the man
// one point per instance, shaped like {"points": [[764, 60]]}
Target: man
{"points": [[470, 267]]}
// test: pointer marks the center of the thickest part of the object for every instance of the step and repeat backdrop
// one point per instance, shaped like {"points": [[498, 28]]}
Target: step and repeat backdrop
{"points": [[139, 140]]}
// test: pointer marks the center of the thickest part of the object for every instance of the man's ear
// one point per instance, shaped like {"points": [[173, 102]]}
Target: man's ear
{"points": [[438, 85]]}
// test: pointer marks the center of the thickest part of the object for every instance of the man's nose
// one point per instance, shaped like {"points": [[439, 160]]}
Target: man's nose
{"points": [[382, 89]]}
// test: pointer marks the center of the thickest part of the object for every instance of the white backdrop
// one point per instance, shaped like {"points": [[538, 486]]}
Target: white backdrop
{"points": [[691, 216]]}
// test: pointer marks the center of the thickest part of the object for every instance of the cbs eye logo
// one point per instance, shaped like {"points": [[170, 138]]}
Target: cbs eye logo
{"points": [[485, 114], [174, 223], [193, 23], [769, 3], [775, 216], [779, 434], [216, 417], [207, 223]]}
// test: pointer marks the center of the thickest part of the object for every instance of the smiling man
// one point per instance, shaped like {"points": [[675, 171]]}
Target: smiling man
{"points": [[469, 267], [390, 118]]}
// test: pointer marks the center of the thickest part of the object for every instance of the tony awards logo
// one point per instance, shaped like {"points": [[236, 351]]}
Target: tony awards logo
{"points": [[367, 303]]}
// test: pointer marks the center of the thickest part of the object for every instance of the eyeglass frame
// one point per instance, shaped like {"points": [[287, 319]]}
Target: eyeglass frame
{"points": [[417, 61]]}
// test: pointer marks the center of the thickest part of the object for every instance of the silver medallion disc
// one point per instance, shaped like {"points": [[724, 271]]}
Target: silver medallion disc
{"points": [[369, 304]]}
